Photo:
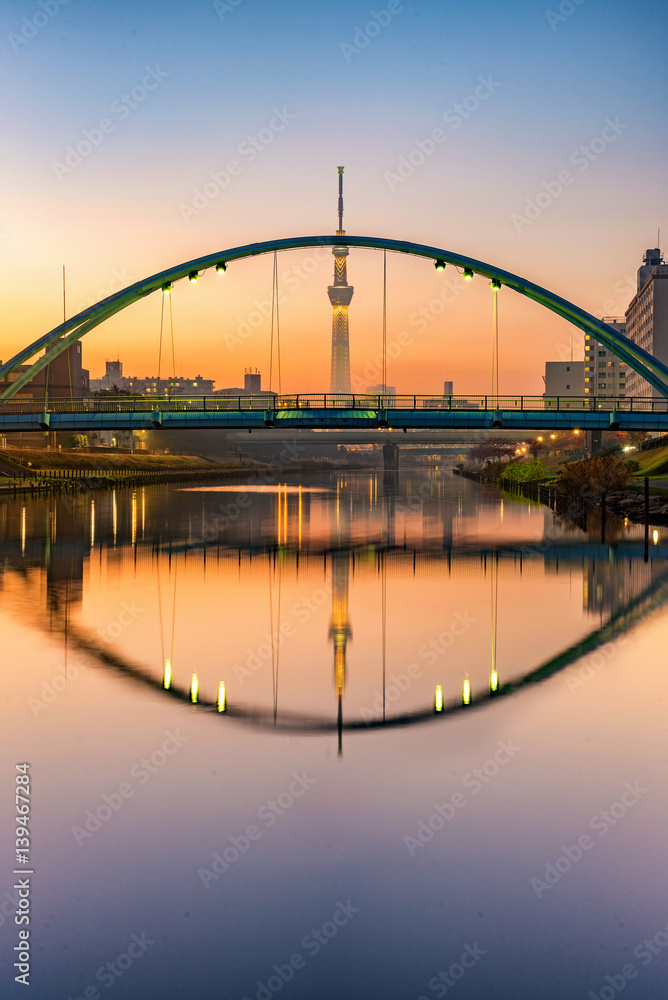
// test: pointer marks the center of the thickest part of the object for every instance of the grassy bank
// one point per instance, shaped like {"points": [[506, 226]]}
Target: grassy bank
{"points": [[36, 459]]}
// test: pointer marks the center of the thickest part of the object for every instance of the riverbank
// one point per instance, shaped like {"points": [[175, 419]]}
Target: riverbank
{"points": [[631, 503], [68, 471]]}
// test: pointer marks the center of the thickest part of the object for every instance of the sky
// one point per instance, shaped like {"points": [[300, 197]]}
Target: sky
{"points": [[139, 136]]}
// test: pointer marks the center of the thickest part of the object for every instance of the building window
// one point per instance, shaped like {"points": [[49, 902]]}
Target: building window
{"points": [[568, 368], [568, 386]]}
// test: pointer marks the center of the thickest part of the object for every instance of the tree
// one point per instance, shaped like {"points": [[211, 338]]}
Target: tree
{"points": [[492, 449], [595, 475]]}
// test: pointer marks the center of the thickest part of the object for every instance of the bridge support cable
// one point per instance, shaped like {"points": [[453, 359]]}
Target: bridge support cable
{"points": [[171, 327], [162, 324], [495, 342], [494, 581], [275, 320], [384, 323], [275, 633], [384, 621]]}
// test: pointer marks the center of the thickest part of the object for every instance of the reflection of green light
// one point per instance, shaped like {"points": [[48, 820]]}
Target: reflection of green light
{"points": [[167, 677], [167, 287], [221, 703], [493, 682], [194, 689], [438, 699], [466, 693], [468, 274], [496, 284]]}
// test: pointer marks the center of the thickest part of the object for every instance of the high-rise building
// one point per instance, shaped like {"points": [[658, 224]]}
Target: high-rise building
{"points": [[63, 378], [605, 374], [647, 318], [447, 388], [340, 294], [252, 380], [382, 390], [564, 378]]}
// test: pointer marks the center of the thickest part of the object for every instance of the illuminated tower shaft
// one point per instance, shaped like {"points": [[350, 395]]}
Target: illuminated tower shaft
{"points": [[340, 294]]}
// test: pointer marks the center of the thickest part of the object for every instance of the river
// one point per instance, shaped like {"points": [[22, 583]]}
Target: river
{"points": [[338, 735]]}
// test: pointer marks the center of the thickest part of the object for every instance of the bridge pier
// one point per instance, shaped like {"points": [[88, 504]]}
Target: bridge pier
{"points": [[593, 442], [391, 457]]}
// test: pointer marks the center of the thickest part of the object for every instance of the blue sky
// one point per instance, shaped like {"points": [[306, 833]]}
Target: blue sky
{"points": [[223, 72]]}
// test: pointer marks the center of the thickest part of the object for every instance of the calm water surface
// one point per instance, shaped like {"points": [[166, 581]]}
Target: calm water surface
{"points": [[330, 835]]}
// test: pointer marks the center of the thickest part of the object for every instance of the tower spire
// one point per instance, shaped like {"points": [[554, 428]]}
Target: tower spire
{"points": [[340, 293]]}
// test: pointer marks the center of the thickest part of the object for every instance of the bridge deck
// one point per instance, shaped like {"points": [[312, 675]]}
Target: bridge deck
{"points": [[521, 413]]}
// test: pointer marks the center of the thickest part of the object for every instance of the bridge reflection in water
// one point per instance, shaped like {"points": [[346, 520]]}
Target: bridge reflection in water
{"points": [[351, 530]]}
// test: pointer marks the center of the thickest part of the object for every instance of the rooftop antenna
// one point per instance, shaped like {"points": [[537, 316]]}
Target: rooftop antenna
{"points": [[340, 229]]}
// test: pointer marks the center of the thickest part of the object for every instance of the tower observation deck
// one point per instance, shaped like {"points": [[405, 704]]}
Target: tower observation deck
{"points": [[340, 293]]}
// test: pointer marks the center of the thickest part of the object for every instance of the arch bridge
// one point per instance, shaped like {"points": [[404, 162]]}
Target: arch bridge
{"points": [[515, 412]]}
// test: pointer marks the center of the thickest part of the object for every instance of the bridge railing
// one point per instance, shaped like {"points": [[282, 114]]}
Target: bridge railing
{"points": [[339, 401]]}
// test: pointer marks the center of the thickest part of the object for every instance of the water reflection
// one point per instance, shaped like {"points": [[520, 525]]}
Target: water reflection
{"points": [[217, 562]]}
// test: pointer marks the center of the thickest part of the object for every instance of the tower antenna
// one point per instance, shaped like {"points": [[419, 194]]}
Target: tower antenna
{"points": [[340, 229]]}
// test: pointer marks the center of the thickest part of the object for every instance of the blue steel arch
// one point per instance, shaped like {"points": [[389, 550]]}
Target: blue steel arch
{"points": [[63, 336]]}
